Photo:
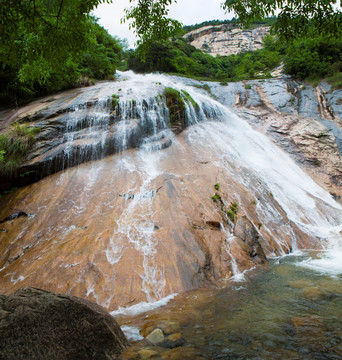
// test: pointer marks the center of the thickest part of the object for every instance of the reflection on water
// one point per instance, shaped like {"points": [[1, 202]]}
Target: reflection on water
{"points": [[286, 312]]}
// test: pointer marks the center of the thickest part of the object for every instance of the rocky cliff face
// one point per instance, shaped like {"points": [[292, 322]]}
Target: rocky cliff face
{"points": [[304, 121], [226, 40]]}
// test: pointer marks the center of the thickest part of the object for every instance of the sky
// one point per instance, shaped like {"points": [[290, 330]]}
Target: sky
{"points": [[188, 12]]}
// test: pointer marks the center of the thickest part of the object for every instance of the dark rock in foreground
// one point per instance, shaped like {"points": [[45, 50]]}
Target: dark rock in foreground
{"points": [[37, 324]]}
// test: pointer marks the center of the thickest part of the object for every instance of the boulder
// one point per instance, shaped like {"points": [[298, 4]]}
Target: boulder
{"points": [[37, 324], [155, 337]]}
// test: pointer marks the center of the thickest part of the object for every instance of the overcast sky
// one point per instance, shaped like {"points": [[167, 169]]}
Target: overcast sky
{"points": [[188, 12]]}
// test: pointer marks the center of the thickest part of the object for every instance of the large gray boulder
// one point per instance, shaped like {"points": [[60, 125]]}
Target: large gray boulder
{"points": [[37, 324]]}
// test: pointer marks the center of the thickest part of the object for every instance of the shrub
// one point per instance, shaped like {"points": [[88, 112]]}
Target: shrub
{"points": [[14, 145], [114, 101], [216, 197], [233, 211]]}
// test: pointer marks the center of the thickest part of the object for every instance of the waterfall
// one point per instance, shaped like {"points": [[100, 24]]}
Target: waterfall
{"points": [[257, 163], [135, 226]]}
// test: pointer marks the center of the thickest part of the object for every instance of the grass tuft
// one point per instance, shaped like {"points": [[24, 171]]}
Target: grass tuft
{"points": [[14, 145]]}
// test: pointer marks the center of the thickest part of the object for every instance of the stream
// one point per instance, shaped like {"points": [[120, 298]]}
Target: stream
{"points": [[286, 311]]}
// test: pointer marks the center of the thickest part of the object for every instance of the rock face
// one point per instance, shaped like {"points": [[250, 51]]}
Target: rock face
{"points": [[226, 40], [157, 220], [79, 125], [303, 120], [75, 129], [36, 324]]}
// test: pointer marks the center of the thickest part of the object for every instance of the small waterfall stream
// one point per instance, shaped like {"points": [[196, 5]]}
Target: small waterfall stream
{"points": [[140, 225]]}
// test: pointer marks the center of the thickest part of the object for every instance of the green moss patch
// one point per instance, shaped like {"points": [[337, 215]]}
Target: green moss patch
{"points": [[175, 104]]}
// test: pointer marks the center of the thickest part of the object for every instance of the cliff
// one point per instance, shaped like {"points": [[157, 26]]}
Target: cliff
{"points": [[227, 40]]}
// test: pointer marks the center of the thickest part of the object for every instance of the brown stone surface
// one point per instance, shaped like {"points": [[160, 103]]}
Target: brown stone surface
{"points": [[147, 353], [310, 328], [36, 324], [86, 239], [167, 326], [155, 337]]}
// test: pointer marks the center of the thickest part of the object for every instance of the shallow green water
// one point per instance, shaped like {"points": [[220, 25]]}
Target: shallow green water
{"points": [[286, 312]]}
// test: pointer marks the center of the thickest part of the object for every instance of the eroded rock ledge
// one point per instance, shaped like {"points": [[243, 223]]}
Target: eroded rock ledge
{"points": [[37, 324], [305, 121]]}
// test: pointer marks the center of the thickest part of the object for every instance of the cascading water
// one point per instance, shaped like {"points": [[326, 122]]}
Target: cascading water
{"points": [[133, 227]]}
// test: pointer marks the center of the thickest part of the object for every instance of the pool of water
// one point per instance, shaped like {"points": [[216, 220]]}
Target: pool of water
{"points": [[286, 311]]}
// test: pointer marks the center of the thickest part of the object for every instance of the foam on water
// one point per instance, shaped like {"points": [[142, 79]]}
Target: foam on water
{"points": [[143, 306], [328, 262], [131, 332]]}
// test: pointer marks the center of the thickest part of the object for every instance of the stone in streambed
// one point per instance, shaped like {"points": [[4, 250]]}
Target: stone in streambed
{"points": [[168, 327], [155, 337], [184, 353], [309, 328], [313, 293], [37, 324], [173, 341], [301, 284], [147, 353]]}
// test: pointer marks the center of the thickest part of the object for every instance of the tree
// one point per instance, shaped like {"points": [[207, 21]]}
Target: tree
{"points": [[294, 17], [150, 22], [36, 36], [49, 45]]}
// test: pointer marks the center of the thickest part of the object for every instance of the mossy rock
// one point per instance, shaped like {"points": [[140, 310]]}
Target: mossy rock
{"points": [[176, 105]]}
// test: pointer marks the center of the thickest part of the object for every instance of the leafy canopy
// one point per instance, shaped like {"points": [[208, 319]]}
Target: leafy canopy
{"points": [[37, 36], [294, 17], [150, 22], [49, 45]]}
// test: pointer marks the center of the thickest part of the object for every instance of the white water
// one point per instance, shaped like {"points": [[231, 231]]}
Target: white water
{"points": [[252, 159], [136, 224], [269, 169], [143, 306], [131, 332]]}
